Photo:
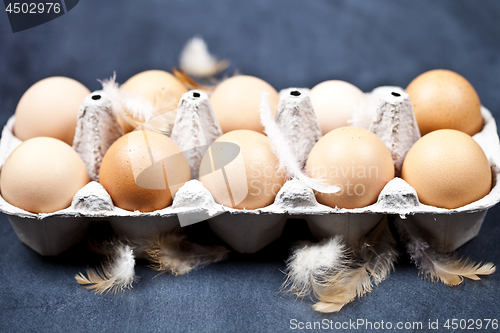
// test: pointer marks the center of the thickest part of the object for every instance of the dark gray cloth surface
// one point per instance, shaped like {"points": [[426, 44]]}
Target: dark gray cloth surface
{"points": [[287, 43]]}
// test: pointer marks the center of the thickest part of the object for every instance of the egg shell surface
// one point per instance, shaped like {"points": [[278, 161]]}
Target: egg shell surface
{"points": [[334, 103], [142, 170], [443, 99], [162, 89], [357, 161], [236, 102], [448, 169], [240, 170], [50, 108], [42, 175]]}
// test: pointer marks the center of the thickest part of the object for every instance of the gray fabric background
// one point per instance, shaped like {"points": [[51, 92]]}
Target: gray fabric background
{"points": [[287, 43]]}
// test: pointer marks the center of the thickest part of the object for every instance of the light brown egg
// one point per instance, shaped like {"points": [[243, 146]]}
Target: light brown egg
{"points": [[161, 88], [240, 169], [448, 169], [42, 175], [50, 108], [443, 99], [354, 159], [334, 103], [142, 170], [236, 103]]}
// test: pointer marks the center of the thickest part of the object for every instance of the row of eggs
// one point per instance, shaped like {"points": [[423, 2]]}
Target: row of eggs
{"points": [[440, 99], [446, 167]]}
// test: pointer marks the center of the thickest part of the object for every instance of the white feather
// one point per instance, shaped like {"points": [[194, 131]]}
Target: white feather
{"points": [[197, 61], [112, 89], [117, 274], [310, 262], [288, 160], [127, 105], [123, 266]]}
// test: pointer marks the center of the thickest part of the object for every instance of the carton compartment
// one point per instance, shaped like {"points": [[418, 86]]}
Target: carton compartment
{"points": [[351, 226], [250, 233], [137, 228], [447, 231], [52, 236]]}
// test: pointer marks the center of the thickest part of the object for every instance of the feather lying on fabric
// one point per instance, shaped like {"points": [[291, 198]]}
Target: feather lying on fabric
{"points": [[196, 60], [288, 161], [336, 276], [117, 274], [311, 262], [173, 253], [373, 258], [436, 266]]}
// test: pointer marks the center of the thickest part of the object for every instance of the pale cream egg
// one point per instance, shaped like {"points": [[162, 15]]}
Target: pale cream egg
{"points": [[50, 108], [42, 175], [334, 103]]}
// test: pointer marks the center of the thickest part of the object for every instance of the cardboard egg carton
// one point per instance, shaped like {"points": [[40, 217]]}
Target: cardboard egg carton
{"points": [[248, 231]]}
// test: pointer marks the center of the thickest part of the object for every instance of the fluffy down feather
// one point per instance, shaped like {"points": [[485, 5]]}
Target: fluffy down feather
{"points": [[117, 274], [311, 262], [437, 266], [197, 61], [174, 254]]}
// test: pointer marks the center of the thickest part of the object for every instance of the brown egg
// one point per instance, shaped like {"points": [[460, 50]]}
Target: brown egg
{"points": [[50, 108], [161, 88], [236, 103], [334, 103], [142, 170], [448, 169], [240, 169], [443, 99], [354, 159], [42, 175]]}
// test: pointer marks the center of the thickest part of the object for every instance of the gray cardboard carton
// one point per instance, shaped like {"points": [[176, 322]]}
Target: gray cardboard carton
{"points": [[248, 231]]}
